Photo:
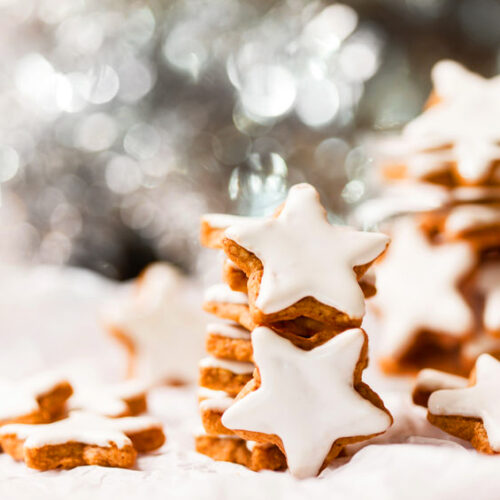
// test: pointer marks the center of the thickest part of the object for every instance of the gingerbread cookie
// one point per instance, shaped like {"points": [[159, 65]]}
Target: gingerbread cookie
{"points": [[224, 375], [228, 341], [213, 227], [429, 381], [234, 276], [471, 413], [455, 141], [255, 456], [148, 319], [38, 399], [211, 411], [120, 400], [290, 261], [424, 315], [328, 381], [225, 303], [82, 439]]}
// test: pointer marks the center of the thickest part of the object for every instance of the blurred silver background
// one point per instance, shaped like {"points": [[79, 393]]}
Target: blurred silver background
{"points": [[122, 122]]}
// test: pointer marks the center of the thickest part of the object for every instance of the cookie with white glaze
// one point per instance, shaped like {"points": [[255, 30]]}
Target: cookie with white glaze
{"points": [[255, 456], [335, 407], [82, 439], [300, 265], [212, 406], [154, 320], [38, 399], [123, 399], [472, 413], [455, 141], [425, 317], [429, 380], [228, 341], [224, 375]]}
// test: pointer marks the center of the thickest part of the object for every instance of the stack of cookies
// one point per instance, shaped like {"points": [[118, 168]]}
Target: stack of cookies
{"points": [[439, 283], [282, 383]]}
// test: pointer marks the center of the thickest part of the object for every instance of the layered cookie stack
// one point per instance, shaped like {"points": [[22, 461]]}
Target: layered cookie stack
{"points": [[439, 283], [284, 377]]}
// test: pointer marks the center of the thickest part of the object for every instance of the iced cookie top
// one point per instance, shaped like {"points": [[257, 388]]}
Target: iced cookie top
{"points": [[477, 401], [303, 255], [307, 398], [81, 427], [417, 288], [462, 127]]}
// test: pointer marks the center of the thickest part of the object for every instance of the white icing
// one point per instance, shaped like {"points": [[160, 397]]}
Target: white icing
{"points": [[405, 197], [221, 221], [417, 288], [159, 316], [20, 398], [479, 401], [221, 292], [467, 118], [200, 432], [475, 193], [216, 404], [238, 367], [433, 380], [80, 427], [466, 217], [226, 330], [307, 398], [205, 393], [106, 400], [489, 285], [303, 255], [484, 343]]}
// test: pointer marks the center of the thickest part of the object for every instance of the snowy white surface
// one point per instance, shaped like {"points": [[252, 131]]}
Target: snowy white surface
{"points": [[48, 319]]}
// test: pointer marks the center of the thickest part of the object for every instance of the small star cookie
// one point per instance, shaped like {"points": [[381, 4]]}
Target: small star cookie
{"points": [[429, 381], [118, 400], [472, 413], [38, 399], [460, 132], [309, 403], [298, 264], [418, 296], [158, 325], [82, 439]]}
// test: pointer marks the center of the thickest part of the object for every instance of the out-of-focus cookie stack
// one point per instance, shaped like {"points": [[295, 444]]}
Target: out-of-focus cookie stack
{"points": [[281, 385], [439, 283]]}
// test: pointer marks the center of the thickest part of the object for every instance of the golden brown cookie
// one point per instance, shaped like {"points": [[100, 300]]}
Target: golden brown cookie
{"points": [[255, 456], [228, 341], [224, 375], [38, 399], [471, 413], [429, 381], [269, 410], [82, 439]]}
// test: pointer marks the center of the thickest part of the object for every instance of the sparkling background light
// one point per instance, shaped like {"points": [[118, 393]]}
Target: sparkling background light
{"points": [[121, 122]]}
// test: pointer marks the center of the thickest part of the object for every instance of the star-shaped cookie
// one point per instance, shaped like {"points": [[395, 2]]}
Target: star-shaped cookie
{"points": [[298, 264], [159, 326], [36, 399], [417, 290], [462, 128], [82, 439], [309, 403], [472, 413]]}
